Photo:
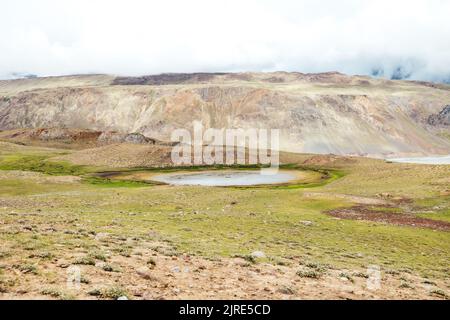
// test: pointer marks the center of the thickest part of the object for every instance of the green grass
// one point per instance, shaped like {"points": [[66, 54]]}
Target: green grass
{"points": [[41, 164], [442, 215], [111, 183], [327, 176], [440, 207], [223, 222], [445, 135], [193, 220], [26, 187]]}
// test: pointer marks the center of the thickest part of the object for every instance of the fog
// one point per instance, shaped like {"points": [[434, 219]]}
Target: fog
{"points": [[392, 39]]}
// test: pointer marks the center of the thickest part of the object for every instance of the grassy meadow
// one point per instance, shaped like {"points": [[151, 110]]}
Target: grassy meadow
{"points": [[55, 214]]}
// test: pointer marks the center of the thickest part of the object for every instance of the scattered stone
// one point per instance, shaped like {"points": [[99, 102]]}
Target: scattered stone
{"points": [[145, 273], [258, 254], [440, 119], [108, 268], [123, 298], [63, 264], [102, 236], [176, 270], [286, 290], [307, 223]]}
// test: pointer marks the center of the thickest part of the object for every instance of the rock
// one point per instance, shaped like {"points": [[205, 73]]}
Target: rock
{"points": [[116, 137], [145, 273], [258, 254], [286, 290], [123, 298], [176, 270], [440, 119], [307, 223], [63, 265], [102, 236]]}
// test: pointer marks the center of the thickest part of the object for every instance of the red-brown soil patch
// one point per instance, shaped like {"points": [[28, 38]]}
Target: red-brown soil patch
{"points": [[401, 219]]}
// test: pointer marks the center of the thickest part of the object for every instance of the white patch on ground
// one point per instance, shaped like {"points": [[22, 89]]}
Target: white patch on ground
{"points": [[423, 160]]}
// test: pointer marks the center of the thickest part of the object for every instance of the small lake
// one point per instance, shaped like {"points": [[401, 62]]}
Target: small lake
{"points": [[224, 179], [423, 160]]}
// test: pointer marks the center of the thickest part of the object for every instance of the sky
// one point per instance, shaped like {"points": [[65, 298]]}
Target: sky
{"points": [[389, 38]]}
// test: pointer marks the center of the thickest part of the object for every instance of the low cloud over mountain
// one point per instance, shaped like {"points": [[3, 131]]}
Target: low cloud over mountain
{"points": [[391, 39]]}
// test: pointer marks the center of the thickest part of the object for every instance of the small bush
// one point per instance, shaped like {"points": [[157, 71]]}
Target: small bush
{"points": [[311, 274], [42, 255], [112, 293], [86, 261], [346, 276], [393, 272], [109, 268], [52, 293], [124, 252], [318, 267], [406, 285], [439, 293], [26, 268], [98, 256], [361, 275], [84, 280]]}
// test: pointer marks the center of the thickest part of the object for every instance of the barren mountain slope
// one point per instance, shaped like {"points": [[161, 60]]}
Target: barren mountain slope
{"points": [[317, 113]]}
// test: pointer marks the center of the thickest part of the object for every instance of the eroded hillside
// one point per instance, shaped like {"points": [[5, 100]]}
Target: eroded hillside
{"points": [[317, 113]]}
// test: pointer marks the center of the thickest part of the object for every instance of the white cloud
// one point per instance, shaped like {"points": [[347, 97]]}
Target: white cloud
{"points": [[133, 37]]}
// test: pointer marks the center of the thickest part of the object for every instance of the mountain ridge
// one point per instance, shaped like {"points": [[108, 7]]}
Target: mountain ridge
{"points": [[317, 113]]}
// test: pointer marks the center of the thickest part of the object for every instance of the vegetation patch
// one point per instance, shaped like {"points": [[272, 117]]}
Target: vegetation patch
{"points": [[388, 216], [311, 274], [26, 268], [42, 164], [111, 183], [87, 261], [112, 293]]}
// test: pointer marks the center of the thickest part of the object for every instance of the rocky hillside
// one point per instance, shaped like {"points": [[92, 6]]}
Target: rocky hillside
{"points": [[441, 119], [317, 113]]}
